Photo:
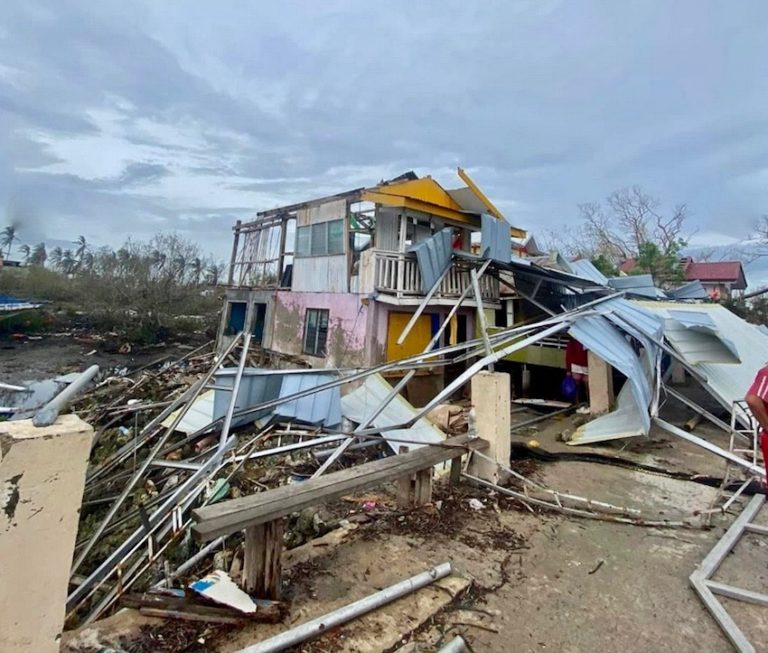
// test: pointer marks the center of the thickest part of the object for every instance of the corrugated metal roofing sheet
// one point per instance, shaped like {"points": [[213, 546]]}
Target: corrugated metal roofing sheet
{"points": [[728, 382], [495, 239], [363, 401], [690, 290], [599, 335], [322, 407], [624, 422], [585, 268], [433, 256], [695, 334], [640, 285], [199, 415]]}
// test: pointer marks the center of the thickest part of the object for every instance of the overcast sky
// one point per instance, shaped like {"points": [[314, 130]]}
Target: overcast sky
{"points": [[126, 118]]}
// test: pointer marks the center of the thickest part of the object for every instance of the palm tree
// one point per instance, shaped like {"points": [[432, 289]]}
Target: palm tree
{"points": [[87, 262], [39, 255], [213, 274], [82, 248], [7, 238], [56, 257], [68, 261], [25, 252]]}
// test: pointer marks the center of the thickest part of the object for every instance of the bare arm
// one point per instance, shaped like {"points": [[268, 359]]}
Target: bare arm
{"points": [[757, 407]]}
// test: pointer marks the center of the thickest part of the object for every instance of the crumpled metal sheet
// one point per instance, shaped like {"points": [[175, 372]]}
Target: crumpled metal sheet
{"points": [[363, 401], [691, 290], [599, 335], [433, 257]]}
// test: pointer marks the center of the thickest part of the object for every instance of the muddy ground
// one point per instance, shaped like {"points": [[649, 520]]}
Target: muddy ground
{"points": [[36, 360]]}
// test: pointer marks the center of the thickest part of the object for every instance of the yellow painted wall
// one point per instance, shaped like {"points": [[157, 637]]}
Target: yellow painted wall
{"points": [[417, 339]]}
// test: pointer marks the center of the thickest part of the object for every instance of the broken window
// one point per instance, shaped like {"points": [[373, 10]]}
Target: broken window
{"points": [[321, 239], [315, 331]]}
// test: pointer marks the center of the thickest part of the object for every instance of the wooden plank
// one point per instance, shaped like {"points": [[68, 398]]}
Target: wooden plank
{"points": [[233, 515]]}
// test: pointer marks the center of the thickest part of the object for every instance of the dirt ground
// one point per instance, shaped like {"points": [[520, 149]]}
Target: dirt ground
{"points": [[36, 360], [530, 582], [521, 581]]}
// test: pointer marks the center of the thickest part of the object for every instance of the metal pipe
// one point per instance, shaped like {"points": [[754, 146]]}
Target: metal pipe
{"points": [[47, 414], [324, 623], [130, 544], [338, 452], [480, 364], [701, 442], [12, 388], [456, 645], [420, 308], [235, 391], [200, 555]]}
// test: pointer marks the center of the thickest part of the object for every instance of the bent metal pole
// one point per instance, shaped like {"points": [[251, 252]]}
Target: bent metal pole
{"points": [[324, 623]]}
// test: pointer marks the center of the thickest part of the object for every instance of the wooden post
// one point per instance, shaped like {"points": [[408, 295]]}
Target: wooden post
{"points": [[404, 486], [455, 476], [423, 489], [262, 560], [232, 260], [600, 381]]}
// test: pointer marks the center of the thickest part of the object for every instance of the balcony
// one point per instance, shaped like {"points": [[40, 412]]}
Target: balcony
{"points": [[397, 275]]}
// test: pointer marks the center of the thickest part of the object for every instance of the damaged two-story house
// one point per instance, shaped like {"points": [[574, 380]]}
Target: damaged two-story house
{"points": [[335, 280]]}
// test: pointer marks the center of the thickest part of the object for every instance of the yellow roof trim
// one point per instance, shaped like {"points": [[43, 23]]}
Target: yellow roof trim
{"points": [[391, 199], [517, 233], [425, 189]]}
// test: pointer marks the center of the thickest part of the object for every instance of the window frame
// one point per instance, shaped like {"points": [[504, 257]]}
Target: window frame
{"points": [[320, 239], [317, 348]]}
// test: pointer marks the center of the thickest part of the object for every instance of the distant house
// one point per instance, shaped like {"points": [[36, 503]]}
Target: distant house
{"points": [[720, 279]]}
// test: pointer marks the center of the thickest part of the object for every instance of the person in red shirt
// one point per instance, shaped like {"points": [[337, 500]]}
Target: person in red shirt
{"points": [[577, 366], [757, 400]]}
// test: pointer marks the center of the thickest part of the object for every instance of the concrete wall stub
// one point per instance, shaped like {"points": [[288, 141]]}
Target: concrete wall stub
{"points": [[492, 403], [600, 380], [42, 477]]}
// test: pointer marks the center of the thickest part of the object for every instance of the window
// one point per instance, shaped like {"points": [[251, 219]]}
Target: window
{"points": [[321, 239], [315, 331]]}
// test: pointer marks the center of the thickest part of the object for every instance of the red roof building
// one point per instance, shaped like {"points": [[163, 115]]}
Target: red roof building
{"points": [[719, 278]]}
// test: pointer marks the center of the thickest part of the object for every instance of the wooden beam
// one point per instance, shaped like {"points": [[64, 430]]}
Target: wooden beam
{"points": [[236, 514]]}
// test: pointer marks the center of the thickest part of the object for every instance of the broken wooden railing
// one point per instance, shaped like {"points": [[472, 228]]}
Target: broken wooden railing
{"points": [[261, 515]]}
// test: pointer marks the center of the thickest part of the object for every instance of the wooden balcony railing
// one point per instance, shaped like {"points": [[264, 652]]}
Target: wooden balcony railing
{"points": [[398, 274]]}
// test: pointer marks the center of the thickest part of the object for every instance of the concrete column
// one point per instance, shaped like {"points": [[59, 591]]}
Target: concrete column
{"points": [[42, 477], [678, 373], [600, 380], [492, 404]]}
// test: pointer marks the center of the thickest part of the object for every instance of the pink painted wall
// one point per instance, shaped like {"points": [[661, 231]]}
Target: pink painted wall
{"points": [[347, 323]]}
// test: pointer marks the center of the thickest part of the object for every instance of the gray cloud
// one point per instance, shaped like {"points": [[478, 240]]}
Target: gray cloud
{"points": [[126, 118]]}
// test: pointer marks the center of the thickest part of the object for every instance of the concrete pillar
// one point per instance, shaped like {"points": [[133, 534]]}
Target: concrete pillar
{"points": [[600, 380], [492, 404], [678, 373], [42, 476]]}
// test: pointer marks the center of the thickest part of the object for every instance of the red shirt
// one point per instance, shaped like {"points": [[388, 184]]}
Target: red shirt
{"points": [[575, 354], [759, 386]]}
